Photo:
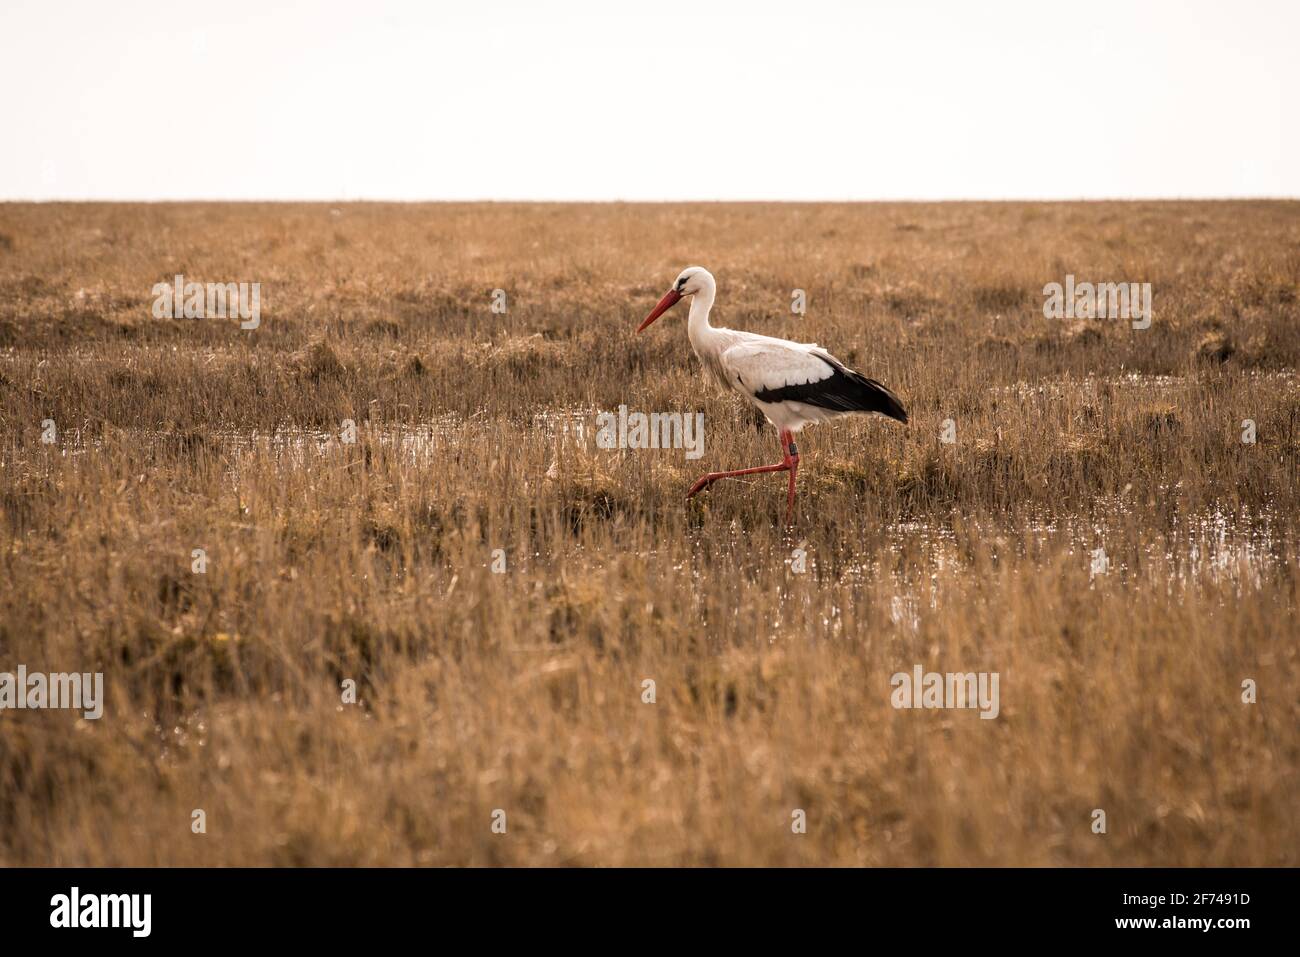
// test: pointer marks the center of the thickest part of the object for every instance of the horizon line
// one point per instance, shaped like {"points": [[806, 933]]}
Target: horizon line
{"points": [[649, 202]]}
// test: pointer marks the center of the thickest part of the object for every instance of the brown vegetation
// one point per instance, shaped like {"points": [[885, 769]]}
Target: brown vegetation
{"points": [[522, 691]]}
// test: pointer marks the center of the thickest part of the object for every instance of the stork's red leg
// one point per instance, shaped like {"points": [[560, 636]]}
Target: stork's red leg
{"points": [[790, 463], [791, 456]]}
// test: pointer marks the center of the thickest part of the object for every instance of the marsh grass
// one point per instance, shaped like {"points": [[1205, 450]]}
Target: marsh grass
{"points": [[523, 691]]}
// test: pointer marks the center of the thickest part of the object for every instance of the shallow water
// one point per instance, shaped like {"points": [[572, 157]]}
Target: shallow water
{"points": [[1209, 545]]}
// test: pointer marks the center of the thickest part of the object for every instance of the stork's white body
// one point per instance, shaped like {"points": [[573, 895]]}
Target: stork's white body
{"points": [[748, 363]]}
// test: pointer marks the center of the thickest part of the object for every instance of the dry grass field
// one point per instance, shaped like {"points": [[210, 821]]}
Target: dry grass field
{"points": [[521, 690]]}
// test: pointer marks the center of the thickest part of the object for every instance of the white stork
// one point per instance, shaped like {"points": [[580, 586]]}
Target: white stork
{"points": [[791, 383]]}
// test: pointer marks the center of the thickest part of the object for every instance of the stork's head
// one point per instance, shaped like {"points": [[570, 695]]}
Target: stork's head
{"points": [[689, 282]]}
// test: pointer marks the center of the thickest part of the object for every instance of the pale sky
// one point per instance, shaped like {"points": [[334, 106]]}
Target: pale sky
{"points": [[803, 100]]}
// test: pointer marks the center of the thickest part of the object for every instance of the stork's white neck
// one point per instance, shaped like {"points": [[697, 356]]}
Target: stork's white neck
{"points": [[697, 326]]}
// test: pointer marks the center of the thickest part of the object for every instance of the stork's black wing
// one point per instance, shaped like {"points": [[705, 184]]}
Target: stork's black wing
{"points": [[843, 390]]}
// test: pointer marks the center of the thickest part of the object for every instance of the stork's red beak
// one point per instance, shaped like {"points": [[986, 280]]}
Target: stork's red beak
{"points": [[666, 303]]}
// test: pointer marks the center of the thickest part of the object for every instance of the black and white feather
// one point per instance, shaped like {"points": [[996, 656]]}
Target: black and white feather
{"points": [[795, 383]]}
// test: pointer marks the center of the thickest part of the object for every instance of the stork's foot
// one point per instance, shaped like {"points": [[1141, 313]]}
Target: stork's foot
{"points": [[704, 481], [789, 464]]}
